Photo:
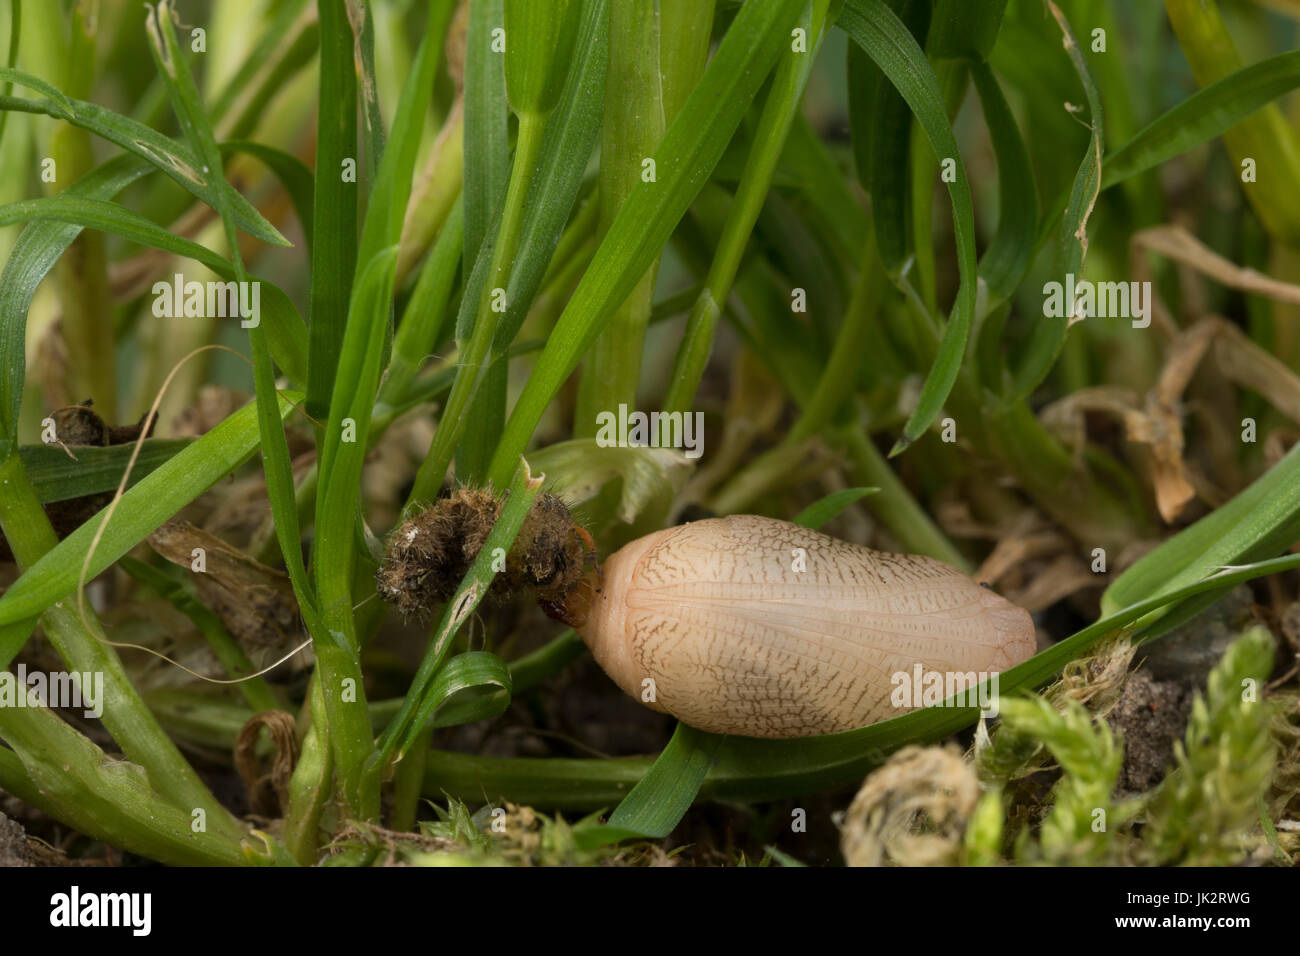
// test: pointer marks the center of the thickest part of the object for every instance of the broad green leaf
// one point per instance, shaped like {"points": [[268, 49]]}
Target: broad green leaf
{"points": [[649, 478]]}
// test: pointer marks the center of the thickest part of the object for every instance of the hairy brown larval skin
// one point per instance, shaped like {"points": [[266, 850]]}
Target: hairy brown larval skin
{"points": [[428, 556], [737, 642]]}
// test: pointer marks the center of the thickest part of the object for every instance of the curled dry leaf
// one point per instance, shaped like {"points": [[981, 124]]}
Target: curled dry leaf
{"points": [[1064, 576], [1035, 565], [254, 602], [268, 791], [1175, 242]]}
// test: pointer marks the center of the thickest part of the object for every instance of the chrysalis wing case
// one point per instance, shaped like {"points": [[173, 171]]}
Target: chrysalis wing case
{"points": [[759, 627]]}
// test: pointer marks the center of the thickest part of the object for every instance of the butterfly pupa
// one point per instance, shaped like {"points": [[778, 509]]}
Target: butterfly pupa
{"points": [[759, 627]]}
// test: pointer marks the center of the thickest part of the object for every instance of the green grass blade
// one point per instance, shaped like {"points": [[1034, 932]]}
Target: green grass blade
{"points": [[469, 687], [554, 182], [880, 125], [108, 217], [15, 32], [632, 127], [691, 147], [661, 798], [57, 477], [33, 256], [426, 311], [571, 133], [965, 30], [1048, 335], [1009, 256], [164, 153], [820, 512], [357, 379], [362, 19], [825, 187], [1261, 520], [334, 259], [1203, 116], [487, 146], [752, 194], [1268, 137], [481, 396], [875, 28], [109, 799], [283, 325], [538, 51], [293, 174], [173, 586], [343, 453]]}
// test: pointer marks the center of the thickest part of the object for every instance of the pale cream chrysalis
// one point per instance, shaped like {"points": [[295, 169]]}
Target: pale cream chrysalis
{"points": [[737, 641]]}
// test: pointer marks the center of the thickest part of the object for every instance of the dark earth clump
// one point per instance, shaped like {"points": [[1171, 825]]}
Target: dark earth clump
{"points": [[13, 843], [1151, 715]]}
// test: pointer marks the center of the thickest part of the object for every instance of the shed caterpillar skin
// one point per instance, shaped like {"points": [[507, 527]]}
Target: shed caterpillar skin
{"points": [[737, 642]]}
